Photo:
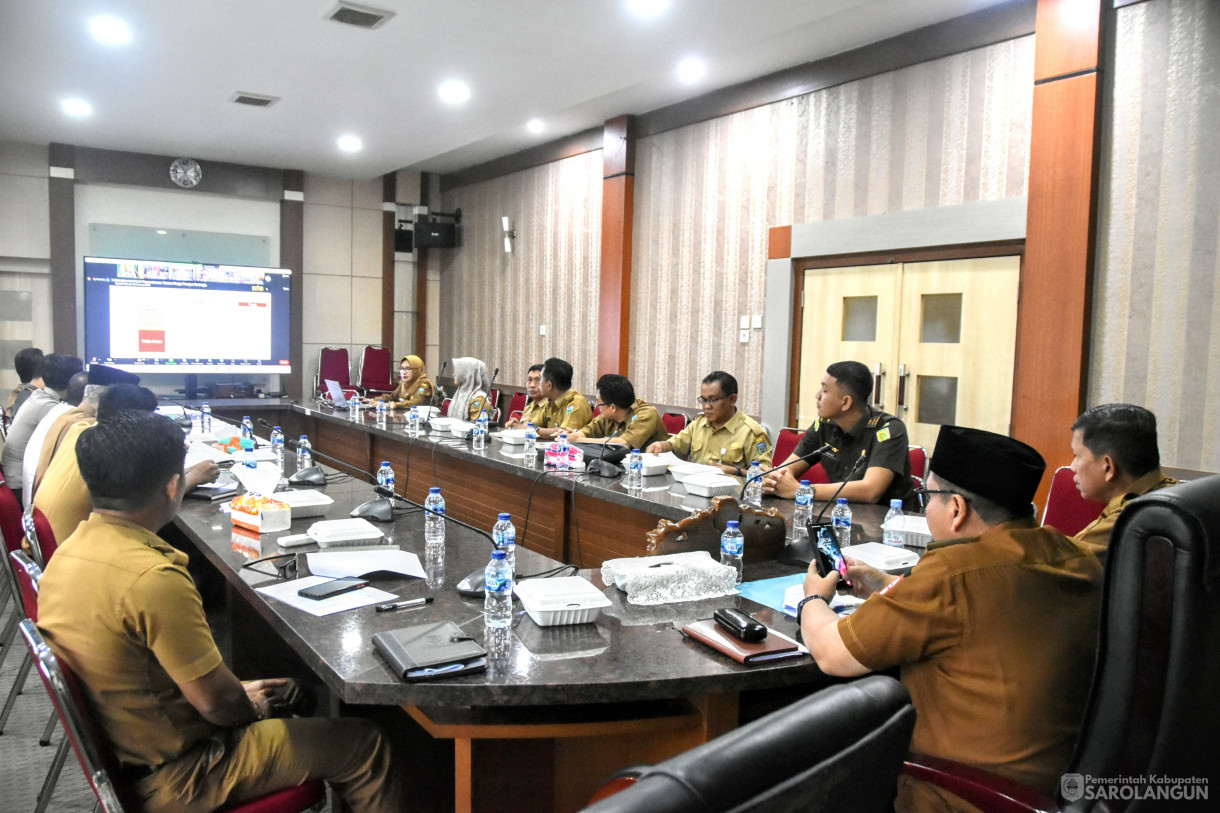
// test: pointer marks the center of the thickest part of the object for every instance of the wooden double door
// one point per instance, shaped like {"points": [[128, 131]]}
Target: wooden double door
{"points": [[939, 337]]}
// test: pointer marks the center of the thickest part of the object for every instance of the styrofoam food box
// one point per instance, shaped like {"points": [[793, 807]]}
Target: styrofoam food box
{"points": [[653, 465], [305, 503], [329, 533], [512, 437], [561, 600], [460, 429], [915, 530], [711, 485], [685, 470], [443, 424], [882, 557]]}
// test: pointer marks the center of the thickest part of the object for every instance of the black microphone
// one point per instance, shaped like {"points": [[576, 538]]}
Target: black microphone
{"points": [[435, 386], [801, 551], [815, 453], [471, 585], [604, 468], [313, 475]]}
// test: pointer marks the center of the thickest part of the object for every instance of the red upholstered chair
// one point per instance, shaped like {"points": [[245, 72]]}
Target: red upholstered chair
{"points": [[674, 422], [37, 529], [333, 365], [817, 474], [1067, 511], [919, 461], [516, 415], [10, 530], [376, 370], [516, 407], [596, 409], [98, 761], [785, 442], [445, 407]]}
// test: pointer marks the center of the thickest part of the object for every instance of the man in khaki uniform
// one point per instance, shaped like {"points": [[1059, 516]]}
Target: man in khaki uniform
{"points": [[118, 605], [994, 631], [568, 408], [537, 407], [722, 436], [1116, 460], [634, 423]]}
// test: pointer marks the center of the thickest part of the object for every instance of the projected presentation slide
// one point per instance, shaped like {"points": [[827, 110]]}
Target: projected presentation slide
{"points": [[148, 316]]}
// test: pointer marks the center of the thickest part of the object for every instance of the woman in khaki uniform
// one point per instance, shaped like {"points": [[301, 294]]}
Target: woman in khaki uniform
{"points": [[413, 388]]}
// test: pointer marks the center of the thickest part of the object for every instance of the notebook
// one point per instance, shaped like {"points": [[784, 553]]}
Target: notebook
{"points": [[430, 651], [775, 646]]}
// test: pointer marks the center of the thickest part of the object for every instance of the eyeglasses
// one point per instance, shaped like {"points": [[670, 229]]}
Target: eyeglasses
{"points": [[922, 494], [601, 405], [701, 401]]}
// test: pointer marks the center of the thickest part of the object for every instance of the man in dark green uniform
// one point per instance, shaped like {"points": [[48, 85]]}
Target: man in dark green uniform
{"points": [[864, 447]]}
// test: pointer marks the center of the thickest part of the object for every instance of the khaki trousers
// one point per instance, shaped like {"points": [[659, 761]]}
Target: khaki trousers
{"points": [[243, 763]]}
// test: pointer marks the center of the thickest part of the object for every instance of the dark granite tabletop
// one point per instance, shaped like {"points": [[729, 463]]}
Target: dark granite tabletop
{"points": [[630, 654]]}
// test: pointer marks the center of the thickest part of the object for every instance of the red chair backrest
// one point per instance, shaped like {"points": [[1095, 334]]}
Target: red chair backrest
{"points": [[785, 443], [817, 474], [517, 404], [516, 415], [27, 574], [674, 422], [37, 529], [333, 365], [919, 461], [494, 403], [376, 368], [10, 518], [445, 407], [1066, 510]]}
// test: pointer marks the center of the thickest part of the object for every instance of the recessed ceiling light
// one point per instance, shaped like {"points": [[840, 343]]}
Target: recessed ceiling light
{"points": [[454, 91], [535, 126], [162, 231], [76, 107], [647, 9], [110, 30], [350, 143], [691, 70]]}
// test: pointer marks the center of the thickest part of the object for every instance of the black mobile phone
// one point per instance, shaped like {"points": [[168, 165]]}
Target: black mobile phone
{"points": [[830, 555], [332, 588]]}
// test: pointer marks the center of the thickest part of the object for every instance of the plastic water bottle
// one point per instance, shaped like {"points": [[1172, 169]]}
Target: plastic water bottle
{"points": [[478, 436], [804, 509], [381, 413], [893, 530], [304, 453], [434, 523], [434, 564], [635, 470], [247, 428], [385, 475], [353, 408], [561, 451], [413, 422], [754, 489], [498, 592], [205, 417], [277, 447], [531, 444], [732, 545], [247, 454], [504, 534], [840, 518]]}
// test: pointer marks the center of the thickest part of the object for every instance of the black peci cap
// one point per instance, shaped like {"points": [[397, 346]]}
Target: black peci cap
{"points": [[997, 467], [104, 376]]}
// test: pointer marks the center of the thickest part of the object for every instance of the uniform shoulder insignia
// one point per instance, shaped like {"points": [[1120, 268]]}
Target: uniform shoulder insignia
{"points": [[633, 417], [421, 389], [883, 435], [817, 424], [873, 420], [761, 446], [570, 407]]}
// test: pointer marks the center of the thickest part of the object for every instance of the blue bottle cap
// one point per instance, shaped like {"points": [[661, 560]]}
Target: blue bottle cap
{"points": [[732, 524], [385, 462], [304, 437], [842, 501], [498, 554], [434, 490], [505, 517], [804, 482], [896, 504], [635, 451], [276, 428]]}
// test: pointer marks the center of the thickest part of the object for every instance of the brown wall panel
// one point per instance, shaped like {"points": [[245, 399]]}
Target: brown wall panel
{"points": [[1052, 321], [779, 243], [618, 211], [1068, 37]]}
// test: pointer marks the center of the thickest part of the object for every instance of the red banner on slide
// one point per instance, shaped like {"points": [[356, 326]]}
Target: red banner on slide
{"points": [[152, 341]]}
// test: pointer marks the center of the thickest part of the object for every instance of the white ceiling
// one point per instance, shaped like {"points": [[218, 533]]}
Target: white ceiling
{"points": [[572, 63]]}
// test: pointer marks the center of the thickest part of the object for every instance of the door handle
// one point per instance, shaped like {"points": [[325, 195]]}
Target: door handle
{"points": [[903, 374], [878, 376]]}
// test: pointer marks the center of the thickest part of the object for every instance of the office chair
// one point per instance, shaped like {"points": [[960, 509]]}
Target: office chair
{"points": [[838, 749], [96, 758], [785, 442], [333, 365], [516, 407], [375, 376], [674, 422], [918, 456], [1067, 511], [1152, 707]]}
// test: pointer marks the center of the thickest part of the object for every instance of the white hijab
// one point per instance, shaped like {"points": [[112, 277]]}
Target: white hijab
{"points": [[473, 381]]}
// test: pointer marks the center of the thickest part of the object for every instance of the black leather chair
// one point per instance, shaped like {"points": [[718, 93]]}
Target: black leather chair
{"points": [[839, 749], [1154, 707]]}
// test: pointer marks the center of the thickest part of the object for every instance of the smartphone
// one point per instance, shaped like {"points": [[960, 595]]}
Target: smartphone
{"points": [[332, 588], [830, 556]]}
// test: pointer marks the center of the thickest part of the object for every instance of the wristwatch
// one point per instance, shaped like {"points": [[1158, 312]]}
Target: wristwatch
{"points": [[801, 604]]}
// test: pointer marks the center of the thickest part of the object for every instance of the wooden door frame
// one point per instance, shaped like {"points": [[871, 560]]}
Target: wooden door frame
{"points": [[968, 251]]}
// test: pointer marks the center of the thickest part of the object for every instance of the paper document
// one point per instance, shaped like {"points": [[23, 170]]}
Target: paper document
{"points": [[668, 458], [199, 452], [262, 479], [287, 593], [360, 563], [840, 603]]}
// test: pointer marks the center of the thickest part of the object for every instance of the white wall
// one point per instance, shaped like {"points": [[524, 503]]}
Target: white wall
{"points": [[25, 248]]}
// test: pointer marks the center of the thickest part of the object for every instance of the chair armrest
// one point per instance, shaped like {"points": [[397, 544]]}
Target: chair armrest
{"points": [[619, 781], [984, 790]]}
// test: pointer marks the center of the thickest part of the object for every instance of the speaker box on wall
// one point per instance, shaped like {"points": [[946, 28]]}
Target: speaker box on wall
{"points": [[404, 240], [436, 234]]}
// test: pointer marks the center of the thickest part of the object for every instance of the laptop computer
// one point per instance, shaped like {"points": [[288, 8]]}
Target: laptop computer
{"points": [[336, 393]]}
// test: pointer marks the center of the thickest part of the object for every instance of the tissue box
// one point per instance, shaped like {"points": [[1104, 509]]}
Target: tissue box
{"points": [[259, 514], [649, 580], [562, 600]]}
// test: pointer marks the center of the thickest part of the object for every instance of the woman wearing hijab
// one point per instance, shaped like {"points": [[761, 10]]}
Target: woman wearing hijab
{"points": [[473, 384], [413, 388]]}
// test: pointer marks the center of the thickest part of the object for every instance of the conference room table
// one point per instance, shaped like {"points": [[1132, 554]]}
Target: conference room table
{"points": [[559, 709]]}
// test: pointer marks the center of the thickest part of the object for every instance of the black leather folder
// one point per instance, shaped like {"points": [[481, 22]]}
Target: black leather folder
{"points": [[435, 651]]}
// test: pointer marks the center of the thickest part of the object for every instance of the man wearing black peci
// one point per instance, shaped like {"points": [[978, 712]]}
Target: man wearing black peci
{"points": [[867, 447]]}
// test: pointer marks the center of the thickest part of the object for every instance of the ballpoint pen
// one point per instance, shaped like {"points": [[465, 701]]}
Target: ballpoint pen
{"points": [[402, 605]]}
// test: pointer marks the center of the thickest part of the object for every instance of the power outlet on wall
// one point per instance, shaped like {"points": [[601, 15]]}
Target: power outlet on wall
{"points": [[541, 330]]}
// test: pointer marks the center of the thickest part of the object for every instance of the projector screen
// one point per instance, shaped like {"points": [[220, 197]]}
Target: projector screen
{"points": [[171, 317]]}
